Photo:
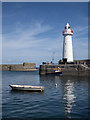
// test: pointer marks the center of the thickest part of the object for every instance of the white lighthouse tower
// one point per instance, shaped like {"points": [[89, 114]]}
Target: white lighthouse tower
{"points": [[67, 44]]}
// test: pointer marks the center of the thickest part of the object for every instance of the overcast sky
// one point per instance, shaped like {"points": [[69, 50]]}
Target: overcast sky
{"points": [[32, 32]]}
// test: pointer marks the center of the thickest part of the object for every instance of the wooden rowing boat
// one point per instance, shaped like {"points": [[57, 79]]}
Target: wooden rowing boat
{"points": [[27, 88]]}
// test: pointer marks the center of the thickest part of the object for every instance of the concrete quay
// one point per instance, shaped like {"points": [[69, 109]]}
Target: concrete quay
{"points": [[67, 69]]}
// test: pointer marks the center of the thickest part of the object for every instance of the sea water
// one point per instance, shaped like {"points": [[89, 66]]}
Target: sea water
{"points": [[63, 97]]}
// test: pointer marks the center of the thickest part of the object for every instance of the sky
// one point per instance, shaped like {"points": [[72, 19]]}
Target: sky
{"points": [[32, 31]]}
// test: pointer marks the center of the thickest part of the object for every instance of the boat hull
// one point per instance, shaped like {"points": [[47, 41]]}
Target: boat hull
{"points": [[59, 73], [27, 88]]}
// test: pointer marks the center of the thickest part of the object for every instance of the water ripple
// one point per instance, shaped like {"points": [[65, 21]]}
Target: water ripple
{"points": [[68, 100]]}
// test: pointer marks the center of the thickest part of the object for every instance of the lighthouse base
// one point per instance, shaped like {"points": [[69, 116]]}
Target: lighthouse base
{"points": [[65, 61]]}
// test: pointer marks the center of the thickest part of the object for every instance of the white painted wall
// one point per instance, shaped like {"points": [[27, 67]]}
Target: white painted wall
{"points": [[67, 44]]}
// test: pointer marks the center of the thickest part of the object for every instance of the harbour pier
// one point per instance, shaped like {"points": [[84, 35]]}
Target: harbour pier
{"points": [[19, 67], [67, 69]]}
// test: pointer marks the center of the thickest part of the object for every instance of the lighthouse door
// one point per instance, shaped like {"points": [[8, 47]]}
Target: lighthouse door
{"points": [[64, 60]]}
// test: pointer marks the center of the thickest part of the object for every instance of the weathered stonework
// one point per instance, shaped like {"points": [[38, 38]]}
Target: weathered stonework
{"points": [[19, 67], [67, 69]]}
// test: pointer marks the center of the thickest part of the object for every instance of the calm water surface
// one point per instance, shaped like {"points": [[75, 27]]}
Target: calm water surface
{"points": [[69, 99]]}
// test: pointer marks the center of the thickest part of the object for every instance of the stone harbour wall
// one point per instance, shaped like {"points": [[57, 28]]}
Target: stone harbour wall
{"points": [[19, 67], [68, 69]]}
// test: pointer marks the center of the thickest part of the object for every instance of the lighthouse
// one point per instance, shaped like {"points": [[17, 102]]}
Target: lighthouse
{"points": [[67, 44]]}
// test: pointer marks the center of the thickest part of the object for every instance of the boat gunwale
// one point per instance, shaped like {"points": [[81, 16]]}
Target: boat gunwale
{"points": [[25, 86]]}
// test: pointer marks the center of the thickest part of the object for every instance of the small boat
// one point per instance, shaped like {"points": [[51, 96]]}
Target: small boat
{"points": [[27, 88], [58, 70], [55, 71]]}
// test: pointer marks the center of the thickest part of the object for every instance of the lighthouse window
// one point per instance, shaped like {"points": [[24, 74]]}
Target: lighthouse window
{"points": [[65, 27]]}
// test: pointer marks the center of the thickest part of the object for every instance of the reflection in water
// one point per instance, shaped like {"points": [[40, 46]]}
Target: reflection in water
{"points": [[48, 104], [24, 92], [69, 97], [65, 86]]}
